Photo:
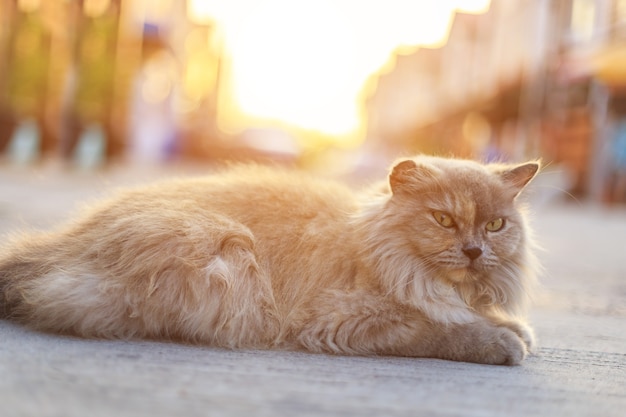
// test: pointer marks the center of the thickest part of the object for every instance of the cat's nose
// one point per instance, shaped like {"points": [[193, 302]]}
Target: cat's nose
{"points": [[473, 252]]}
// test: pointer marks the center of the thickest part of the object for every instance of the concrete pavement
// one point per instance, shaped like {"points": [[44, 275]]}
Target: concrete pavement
{"points": [[579, 316]]}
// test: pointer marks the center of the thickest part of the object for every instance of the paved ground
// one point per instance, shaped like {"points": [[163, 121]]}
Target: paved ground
{"points": [[579, 315]]}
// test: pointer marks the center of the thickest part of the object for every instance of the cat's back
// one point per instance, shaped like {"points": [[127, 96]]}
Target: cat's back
{"points": [[252, 195], [301, 225]]}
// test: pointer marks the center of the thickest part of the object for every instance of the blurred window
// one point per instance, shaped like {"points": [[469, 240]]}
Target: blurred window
{"points": [[619, 20], [582, 22]]}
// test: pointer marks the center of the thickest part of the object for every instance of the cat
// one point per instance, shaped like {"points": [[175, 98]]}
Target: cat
{"points": [[437, 261]]}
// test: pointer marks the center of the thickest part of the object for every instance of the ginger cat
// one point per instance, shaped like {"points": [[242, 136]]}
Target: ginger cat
{"points": [[435, 263]]}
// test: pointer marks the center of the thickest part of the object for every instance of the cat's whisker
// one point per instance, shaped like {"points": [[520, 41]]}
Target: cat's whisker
{"points": [[562, 191]]}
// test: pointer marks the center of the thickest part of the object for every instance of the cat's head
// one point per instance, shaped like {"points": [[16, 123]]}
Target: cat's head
{"points": [[458, 221]]}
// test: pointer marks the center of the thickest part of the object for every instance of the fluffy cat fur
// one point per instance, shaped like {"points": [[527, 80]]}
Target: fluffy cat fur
{"points": [[258, 258]]}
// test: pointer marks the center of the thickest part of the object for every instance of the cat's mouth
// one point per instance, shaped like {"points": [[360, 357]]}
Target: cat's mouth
{"points": [[458, 274], [466, 273]]}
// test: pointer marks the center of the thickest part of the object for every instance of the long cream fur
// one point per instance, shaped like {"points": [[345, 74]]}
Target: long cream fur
{"points": [[258, 258]]}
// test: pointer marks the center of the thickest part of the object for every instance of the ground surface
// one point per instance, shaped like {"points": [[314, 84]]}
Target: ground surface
{"points": [[579, 316]]}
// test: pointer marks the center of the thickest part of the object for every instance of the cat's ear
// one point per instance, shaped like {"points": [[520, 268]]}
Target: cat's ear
{"points": [[519, 176], [408, 175]]}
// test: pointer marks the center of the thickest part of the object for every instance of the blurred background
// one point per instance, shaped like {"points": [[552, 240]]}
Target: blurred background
{"points": [[339, 86]]}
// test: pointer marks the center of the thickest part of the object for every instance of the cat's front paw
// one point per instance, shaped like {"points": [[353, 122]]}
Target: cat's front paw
{"points": [[525, 333], [486, 342], [502, 346]]}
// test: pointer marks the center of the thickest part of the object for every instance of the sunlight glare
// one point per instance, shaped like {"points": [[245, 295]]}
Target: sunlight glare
{"points": [[282, 67], [307, 63]]}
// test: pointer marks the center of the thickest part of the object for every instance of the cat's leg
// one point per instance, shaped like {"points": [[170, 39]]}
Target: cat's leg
{"points": [[225, 298], [160, 274], [481, 341], [359, 323]]}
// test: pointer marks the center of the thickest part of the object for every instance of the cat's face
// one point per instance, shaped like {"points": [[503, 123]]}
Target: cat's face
{"points": [[460, 217]]}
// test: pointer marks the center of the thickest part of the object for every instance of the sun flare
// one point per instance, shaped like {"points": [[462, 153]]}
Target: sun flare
{"points": [[306, 64]]}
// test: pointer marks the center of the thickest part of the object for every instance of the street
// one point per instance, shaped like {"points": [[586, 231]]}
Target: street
{"points": [[579, 315]]}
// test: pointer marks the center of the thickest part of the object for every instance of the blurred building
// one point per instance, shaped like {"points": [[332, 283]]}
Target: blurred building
{"points": [[123, 77], [529, 78], [144, 79]]}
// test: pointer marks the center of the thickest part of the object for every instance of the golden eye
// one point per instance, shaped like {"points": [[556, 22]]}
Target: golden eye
{"points": [[495, 224], [443, 219]]}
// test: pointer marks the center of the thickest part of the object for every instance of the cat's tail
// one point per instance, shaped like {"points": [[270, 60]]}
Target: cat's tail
{"points": [[22, 261], [5, 310], [10, 273]]}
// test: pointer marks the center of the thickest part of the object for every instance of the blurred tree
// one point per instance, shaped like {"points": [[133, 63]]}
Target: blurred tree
{"points": [[94, 78], [26, 74]]}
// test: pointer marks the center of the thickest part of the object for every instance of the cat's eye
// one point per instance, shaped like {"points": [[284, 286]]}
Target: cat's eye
{"points": [[495, 225], [443, 219]]}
